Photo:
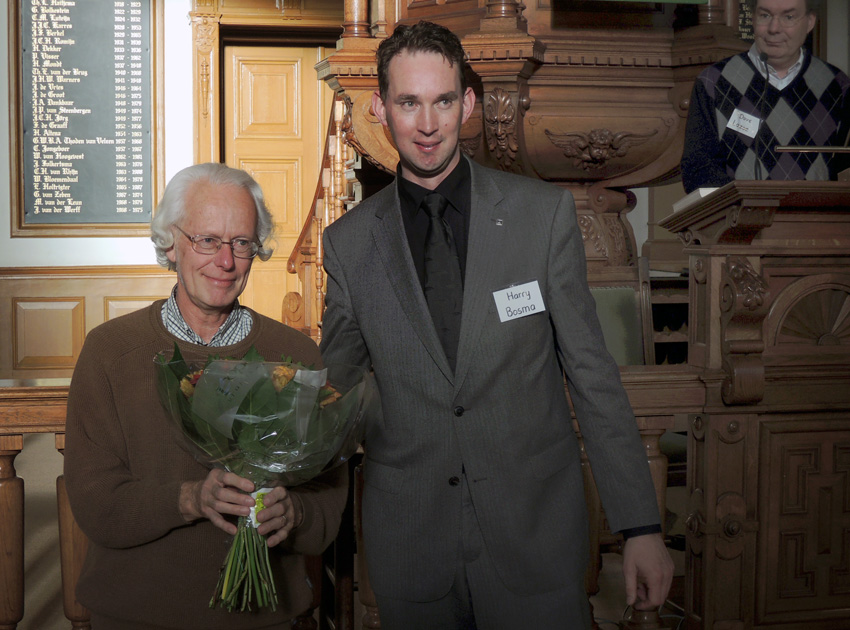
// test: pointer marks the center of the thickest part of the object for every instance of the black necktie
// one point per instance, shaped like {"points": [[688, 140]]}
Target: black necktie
{"points": [[443, 283]]}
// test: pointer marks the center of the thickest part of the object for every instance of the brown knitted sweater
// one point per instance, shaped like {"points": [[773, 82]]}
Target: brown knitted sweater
{"points": [[124, 465]]}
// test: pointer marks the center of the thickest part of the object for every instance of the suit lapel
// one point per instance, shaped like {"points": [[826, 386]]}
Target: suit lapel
{"points": [[391, 244], [488, 234]]}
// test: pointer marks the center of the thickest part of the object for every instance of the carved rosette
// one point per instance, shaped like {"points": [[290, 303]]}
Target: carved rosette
{"points": [[743, 304]]}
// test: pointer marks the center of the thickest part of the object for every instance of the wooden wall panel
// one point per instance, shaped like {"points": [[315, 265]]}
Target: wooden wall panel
{"points": [[48, 333], [50, 310], [114, 306]]}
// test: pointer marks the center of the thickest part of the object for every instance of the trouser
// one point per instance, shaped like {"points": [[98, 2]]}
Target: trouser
{"points": [[479, 600]]}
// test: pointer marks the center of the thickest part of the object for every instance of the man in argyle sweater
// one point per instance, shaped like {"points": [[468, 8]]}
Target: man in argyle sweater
{"points": [[737, 114]]}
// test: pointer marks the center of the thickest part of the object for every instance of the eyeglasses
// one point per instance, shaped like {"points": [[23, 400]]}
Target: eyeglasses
{"points": [[209, 245], [786, 20]]}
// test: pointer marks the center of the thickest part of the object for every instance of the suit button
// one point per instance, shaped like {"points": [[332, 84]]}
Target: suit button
{"points": [[454, 481], [459, 411]]}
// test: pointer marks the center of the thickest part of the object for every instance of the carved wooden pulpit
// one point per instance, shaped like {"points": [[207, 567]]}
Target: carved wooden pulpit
{"points": [[768, 525]]}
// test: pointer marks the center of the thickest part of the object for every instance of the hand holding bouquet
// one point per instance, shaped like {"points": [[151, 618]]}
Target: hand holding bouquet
{"points": [[272, 423]]}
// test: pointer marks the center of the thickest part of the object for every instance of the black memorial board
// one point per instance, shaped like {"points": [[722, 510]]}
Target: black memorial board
{"points": [[745, 21], [87, 115]]}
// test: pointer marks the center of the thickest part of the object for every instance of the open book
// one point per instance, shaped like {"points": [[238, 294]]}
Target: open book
{"points": [[692, 197]]}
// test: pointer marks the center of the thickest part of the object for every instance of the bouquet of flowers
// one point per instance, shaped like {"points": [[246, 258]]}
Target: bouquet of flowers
{"points": [[272, 423]]}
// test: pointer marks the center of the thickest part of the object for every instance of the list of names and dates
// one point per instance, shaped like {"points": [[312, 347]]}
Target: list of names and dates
{"points": [[87, 137], [745, 21]]}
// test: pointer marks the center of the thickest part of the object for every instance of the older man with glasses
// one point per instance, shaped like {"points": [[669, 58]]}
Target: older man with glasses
{"points": [[157, 520], [775, 94]]}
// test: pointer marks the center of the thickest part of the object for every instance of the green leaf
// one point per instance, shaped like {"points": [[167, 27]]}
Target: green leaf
{"points": [[253, 356]]}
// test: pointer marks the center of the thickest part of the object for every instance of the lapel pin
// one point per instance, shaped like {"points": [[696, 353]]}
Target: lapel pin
{"points": [[499, 222]]}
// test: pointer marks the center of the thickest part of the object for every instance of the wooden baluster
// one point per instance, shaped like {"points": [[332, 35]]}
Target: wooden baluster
{"points": [[343, 157], [332, 189], [326, 220], [338, 161], [11, 534], [73, 546], [319, 273]]}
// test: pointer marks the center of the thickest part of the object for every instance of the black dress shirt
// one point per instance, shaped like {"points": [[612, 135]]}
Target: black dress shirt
{"points": [[457, 189]]}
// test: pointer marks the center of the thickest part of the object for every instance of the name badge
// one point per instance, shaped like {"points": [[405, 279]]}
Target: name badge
{"points": [[518, 301], [744, 123]]}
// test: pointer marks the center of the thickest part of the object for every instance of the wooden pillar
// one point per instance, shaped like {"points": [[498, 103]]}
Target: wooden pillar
{"points": [[356, 19], [11, 534], [73, 546], [650, 436]]}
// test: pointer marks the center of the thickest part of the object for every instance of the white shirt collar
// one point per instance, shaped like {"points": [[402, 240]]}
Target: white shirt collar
{"points": [[775, 80]]}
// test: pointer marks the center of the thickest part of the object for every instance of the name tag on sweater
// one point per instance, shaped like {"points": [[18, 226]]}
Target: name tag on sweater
{"points": [[744, 123], [520, 300]]}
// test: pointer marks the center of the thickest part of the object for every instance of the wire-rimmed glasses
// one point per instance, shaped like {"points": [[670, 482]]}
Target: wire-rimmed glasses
{"points": [[209, 245], [786, 20]]}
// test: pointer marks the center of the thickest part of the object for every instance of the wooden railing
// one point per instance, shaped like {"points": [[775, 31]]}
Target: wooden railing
{"points": [[335, 193]]}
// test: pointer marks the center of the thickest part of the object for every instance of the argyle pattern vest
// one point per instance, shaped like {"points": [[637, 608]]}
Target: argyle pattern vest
{"points": [[806, 112]]}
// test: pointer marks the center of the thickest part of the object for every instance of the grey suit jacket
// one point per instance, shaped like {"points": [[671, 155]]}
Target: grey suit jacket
{"points": [[503, 417]]}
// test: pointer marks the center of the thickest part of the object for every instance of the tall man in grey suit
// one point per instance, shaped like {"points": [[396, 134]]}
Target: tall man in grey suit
{"points": [[473, 507]]}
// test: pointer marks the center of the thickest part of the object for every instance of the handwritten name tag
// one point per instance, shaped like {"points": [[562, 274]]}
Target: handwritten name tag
{"points": [[518, 301], [744, 123]]}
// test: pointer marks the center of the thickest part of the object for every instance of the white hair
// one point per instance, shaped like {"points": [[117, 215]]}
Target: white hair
{"points": [[172, 206]]}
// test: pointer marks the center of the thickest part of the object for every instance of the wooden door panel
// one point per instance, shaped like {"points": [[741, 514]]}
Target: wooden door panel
{"points": [[275, 118]]}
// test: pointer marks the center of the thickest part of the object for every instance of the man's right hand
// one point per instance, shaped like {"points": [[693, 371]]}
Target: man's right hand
{"points": [[220, 493]]}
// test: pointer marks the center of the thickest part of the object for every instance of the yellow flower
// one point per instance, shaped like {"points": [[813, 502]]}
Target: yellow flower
{"points": [[187, 383], [330, 395], [281, 376]]}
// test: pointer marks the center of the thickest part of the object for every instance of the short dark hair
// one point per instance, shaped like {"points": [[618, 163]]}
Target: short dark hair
{"points": [[812, 6], [420, 37]]}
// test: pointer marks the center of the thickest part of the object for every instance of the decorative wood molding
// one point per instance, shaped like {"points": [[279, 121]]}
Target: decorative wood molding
{"points": [[368, 136], [501, 114], [205, 55], [811, 311], [593, 150], [744, 297]]}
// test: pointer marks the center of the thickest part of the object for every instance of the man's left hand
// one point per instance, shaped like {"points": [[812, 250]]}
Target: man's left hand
{"points": [[648, 569], [282, 513]]}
